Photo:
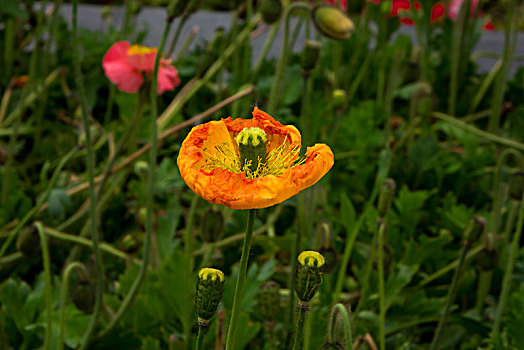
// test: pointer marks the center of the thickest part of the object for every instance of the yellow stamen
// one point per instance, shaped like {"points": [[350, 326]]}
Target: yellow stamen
{"points": [[311, 258], [140, 50], [213, 273]]}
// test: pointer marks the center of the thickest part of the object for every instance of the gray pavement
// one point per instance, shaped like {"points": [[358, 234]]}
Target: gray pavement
{"points": [[153, 19]]}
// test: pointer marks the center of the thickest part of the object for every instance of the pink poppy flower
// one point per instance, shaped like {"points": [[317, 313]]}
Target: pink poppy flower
{"points": [[125, 66], [437, 12], [454, 8], [398, 7]]}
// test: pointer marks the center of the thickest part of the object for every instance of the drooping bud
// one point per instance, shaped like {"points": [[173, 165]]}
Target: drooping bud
{"points": [[332, 22], [271, 10], [387, 192], [516, 185], [83, 296], [252, 145], [28, 241], [488, 257], [339, 98], [308, 275], [128, 243], [474, 229], [209, 289], [310, 55], [212, 225], [269, 300]]}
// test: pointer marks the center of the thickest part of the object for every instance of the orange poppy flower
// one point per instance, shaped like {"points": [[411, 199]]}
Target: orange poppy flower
{"points": [[219, 162]]}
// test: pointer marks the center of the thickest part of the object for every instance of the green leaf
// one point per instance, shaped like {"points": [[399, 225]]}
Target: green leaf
{"points": [[347, 212]]}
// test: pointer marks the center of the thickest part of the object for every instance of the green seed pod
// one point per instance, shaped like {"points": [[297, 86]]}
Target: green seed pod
{"points": [[28, 241], [488, 257], [271, 10], [516, 185], [269, 300], [310, 55], [141, 168], [387, 192], [141, 216], [134, 7], [308, 276], [129, 244], [332, 22], [84, 296], [339, 98], [474, 229], [192, 7], [212, 225], [209, 289]]}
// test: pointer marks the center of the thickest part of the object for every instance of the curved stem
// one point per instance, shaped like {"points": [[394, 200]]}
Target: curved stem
{"points": [[265, 50], [90, 159], [239, 289], [64, 291], [275, 87], [177, 35], [150, 189], [346, 322], [47, 286], [41, 200], [299, 333], [508, 271]]}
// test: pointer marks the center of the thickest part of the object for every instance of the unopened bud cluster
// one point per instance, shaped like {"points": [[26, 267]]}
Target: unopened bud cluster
{"points": [[210, 286], [308, 275]]}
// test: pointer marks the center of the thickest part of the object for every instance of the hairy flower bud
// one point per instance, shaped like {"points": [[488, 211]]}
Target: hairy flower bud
{"points": [[474, 229], [310, 55], [83, 296], [488, 257], [332, 346], [269, 300], [387, 192], [332, 22], [339, 98], [308, 275], [129, 243], [209, 289], [271, 10], [212, 225], [28, 241]]}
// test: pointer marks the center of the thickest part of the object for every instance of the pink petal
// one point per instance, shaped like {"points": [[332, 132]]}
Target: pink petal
{"points": [[123, 76], [117, 52], [144, 62], [167, 78]]}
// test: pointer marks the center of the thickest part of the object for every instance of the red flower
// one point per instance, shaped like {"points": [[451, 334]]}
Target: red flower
{"points": [[437, 12], [343, 3], [488, 25], [125, 65], [398, 7]]}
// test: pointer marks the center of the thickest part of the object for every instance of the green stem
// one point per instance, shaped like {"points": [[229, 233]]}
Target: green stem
{"points": [[150, 190], [11, 258], [109, 108], [47, 286], [510, 222], [346, 322], [90, 159], [483, 134], [508, 271], [451, 296], [202, 330], [265, 50], [485, 85], [275, 87], [364, 289], [482, 291], [509, 49], [188, 245], [41, 200], [176, 108], [185, 45], [299, 333], [64, 291], [239, 288], [381, 288], [177, 35]]}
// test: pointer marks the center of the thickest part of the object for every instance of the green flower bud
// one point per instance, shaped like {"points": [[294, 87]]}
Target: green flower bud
{"points": [[84, 296], [332, 346], [28, 241], [129, 243], [141, 216], [193, 6], [474, 229], [176, 8], [134, 7], [516, 185], [269, 300], [308, 276], [141, 168], [332, 22], [271, 10], [212, 225], [488, 257], [387, 192], [310, 55], [339, 98], [209, 289]]}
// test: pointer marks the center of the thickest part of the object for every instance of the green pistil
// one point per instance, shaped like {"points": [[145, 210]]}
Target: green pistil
{"points": [[252, 145]]}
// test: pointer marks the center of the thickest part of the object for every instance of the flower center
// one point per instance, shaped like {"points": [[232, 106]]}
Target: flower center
{"points": [[311, 258], [140, 50], [212, 273], [252, 145]]}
